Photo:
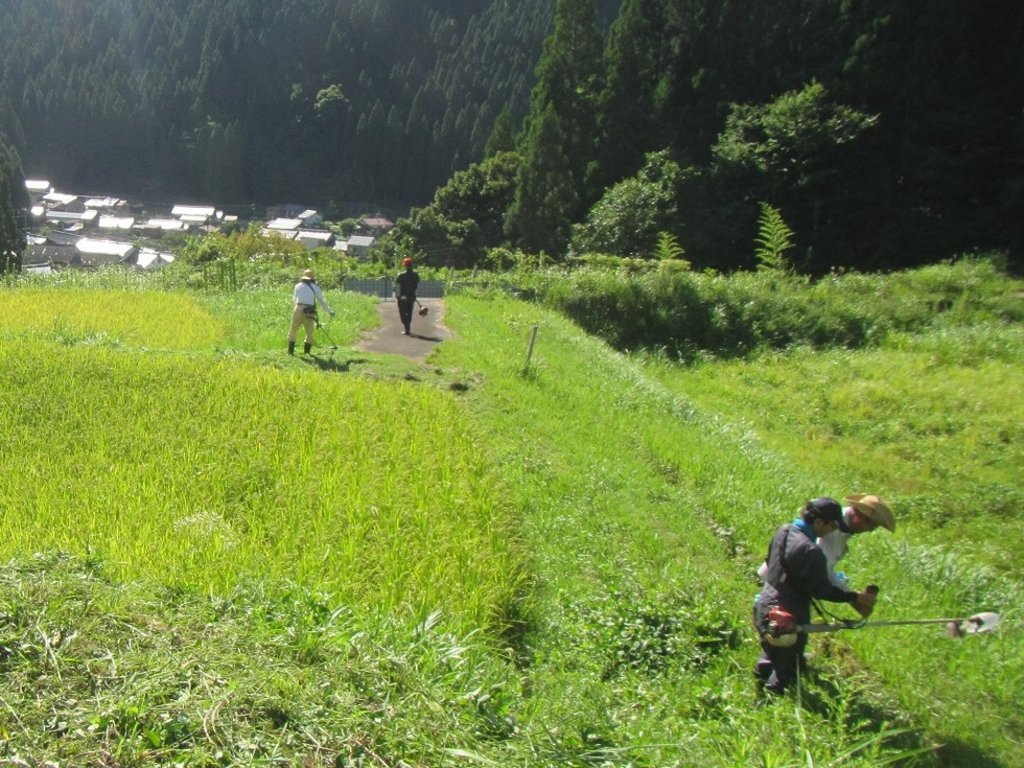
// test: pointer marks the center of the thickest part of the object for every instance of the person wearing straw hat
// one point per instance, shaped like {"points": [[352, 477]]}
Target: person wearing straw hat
{"points": [[306, 295], [795, 574], [863, 513], [405, 294]]}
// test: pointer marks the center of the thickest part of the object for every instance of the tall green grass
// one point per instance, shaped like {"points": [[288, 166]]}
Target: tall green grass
{"points": [[932, 423], [641, 592], [688, 315]]}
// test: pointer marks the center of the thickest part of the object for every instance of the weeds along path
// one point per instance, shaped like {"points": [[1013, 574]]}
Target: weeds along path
{"points": [[645, 520]]}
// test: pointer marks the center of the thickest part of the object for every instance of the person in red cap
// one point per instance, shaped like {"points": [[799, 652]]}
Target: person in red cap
{"points": [[405, 294]]}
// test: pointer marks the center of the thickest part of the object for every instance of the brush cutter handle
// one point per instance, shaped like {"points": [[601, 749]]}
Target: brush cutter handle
{"points": [[865, 603]]}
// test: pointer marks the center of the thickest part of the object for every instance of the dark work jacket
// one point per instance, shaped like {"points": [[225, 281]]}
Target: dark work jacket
{"points": [[797, 572], [406, 284]]}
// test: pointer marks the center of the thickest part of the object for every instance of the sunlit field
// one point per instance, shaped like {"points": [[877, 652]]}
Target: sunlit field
{"points": [[934, 422], [96, 317], [209, 474]]}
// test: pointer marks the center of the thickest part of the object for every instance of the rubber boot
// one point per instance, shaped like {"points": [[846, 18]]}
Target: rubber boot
{"points": [[291, 347], [307, 347]]}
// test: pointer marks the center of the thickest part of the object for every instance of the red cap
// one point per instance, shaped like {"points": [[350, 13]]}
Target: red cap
{"points": [[406, 261]]}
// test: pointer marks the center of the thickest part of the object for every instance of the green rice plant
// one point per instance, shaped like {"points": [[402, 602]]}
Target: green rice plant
{"points": [[204, 474], [135, 318]]}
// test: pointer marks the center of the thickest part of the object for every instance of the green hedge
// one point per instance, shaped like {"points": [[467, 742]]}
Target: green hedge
{"points": [[690, 313]]}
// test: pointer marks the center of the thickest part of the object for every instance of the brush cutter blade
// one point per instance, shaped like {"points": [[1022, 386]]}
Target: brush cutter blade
{"points": [[975, 625]]}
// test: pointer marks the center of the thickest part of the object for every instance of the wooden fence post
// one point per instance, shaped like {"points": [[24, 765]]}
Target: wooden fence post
{"points": [[529, 351]]}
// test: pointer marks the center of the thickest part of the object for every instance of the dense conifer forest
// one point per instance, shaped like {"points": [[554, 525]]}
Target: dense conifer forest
{"points": [[884, 132]]}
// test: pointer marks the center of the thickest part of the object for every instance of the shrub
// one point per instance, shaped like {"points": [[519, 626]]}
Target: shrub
{"points": [[684, 313]]}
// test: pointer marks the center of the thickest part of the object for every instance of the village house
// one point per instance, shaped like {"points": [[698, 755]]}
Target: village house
{"points": [[359, 246], [312, 239], [374, 225]]}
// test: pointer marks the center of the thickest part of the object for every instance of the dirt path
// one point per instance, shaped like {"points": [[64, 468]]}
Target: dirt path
{"points": [[427, 332]]}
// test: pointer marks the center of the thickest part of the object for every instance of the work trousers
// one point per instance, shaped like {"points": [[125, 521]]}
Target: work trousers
{"points": [[300, 318], [405, 306]]}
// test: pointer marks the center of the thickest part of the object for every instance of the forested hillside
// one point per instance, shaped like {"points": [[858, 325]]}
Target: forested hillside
{"points": [[881, 134], [240, 101]]}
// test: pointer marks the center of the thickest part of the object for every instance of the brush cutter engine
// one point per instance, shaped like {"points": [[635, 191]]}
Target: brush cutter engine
{"points": [[781, 628]]}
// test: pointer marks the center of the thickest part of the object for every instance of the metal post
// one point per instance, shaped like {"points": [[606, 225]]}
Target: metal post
{"points": [[529, 352]]}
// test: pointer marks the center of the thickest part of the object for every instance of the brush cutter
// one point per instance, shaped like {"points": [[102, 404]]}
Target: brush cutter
{"points": [[783, 629], [323, 329], [972, 625]]}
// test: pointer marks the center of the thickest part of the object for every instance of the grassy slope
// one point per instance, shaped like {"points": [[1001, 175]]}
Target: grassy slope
{"points": [[641, 516], [624, 483], [932, 423]]}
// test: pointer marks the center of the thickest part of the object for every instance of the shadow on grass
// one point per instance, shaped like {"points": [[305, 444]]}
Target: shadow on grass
{"points": [[332, 365], [826, 697], [957, 754]]}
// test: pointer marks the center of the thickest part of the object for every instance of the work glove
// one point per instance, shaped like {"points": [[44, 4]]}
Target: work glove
{"points": [[865, 603]]}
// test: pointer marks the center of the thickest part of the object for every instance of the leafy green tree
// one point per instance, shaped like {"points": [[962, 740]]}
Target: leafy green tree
{"points": [[633, 61], [12, 240], [568, 84], [946, 77], [465, 218], [800, 150], [503, 134], [629, 218]]}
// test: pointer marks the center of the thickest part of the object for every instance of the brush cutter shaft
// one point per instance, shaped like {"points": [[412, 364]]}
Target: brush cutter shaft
{"points": [[972, 625]]}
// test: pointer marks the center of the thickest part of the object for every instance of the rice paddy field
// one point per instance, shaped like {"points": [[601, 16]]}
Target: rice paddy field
{"points": [[220, 555]]}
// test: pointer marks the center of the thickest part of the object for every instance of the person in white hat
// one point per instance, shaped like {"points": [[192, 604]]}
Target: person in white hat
{"points": [[863, 513], [306, 295]]}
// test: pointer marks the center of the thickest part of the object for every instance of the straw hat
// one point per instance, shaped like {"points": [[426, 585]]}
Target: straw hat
{"points": [[873, 508], [308, 275]]}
